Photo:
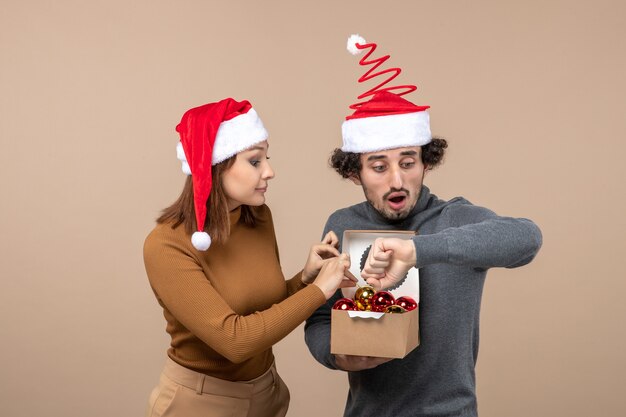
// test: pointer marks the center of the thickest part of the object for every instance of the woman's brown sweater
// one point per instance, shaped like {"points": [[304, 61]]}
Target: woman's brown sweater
{"points": [[226, 307]]}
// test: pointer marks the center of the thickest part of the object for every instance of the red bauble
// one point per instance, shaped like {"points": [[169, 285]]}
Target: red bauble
{"points": [[344, 304], [407, 303], [381, 300]]}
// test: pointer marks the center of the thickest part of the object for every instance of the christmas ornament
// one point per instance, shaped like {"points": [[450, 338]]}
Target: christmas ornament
{"points": [[394, 309], [344, 304], [381, 300], [407, 303], [363, 298]]}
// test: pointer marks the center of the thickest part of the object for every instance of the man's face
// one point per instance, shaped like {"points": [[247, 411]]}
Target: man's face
{"points": [[392, 180]]}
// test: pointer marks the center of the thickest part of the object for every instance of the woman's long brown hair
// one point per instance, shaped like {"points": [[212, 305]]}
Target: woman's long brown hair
{"points": [[217, 223]]}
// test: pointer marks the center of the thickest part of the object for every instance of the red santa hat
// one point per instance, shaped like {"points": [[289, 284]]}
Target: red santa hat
{"points": [[386, 120], [210, 134]]}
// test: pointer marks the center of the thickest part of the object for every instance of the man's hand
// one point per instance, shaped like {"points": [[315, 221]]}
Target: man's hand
{"points": [[388, 262], [326, 249], [358, 363]]}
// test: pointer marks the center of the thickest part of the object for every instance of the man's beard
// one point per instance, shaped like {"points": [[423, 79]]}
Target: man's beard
{"points": [[389, 214]]}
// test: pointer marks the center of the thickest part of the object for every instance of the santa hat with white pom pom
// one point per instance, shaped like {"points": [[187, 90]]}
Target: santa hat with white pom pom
{"points": [[386, 120], [210, 134]]}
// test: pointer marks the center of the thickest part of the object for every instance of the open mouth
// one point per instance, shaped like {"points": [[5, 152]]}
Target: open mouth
{"points": [[397, 202]]}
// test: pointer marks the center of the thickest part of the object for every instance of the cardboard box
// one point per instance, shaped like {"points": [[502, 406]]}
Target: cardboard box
{"points": [[365, 333]]}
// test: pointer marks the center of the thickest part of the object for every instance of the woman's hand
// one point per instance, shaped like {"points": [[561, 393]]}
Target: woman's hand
{"points": [[326, 249], [335, 274]]}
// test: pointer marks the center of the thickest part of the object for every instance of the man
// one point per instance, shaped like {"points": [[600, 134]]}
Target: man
{"points": [[387, 150]]}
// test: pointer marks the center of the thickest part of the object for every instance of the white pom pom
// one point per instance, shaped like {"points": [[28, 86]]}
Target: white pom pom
{"points": [[180, 154], [201, 240], [352, 41]]}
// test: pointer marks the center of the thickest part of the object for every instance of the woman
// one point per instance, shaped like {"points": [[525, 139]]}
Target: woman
{"points": [[223, 294]]}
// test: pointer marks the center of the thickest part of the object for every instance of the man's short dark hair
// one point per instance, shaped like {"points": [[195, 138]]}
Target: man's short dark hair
{"points": [[348, 164]]}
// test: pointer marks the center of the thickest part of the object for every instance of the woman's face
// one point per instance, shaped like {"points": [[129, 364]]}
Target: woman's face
{"points": [[245, 182]]}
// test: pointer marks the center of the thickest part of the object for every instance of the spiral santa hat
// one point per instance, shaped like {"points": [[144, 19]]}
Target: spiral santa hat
{"points": [[385, 120]]}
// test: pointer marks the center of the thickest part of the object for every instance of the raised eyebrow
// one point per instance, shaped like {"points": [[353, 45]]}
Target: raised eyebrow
{"points": [[376, 157]]}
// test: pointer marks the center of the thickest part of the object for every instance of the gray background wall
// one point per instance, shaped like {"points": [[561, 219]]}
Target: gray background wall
{"points": [[529, 94]]}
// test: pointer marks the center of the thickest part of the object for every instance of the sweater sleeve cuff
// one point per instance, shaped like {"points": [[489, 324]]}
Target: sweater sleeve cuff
{"points": [[316, 294], [295, 284], [430, 249], [309, 299]]}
